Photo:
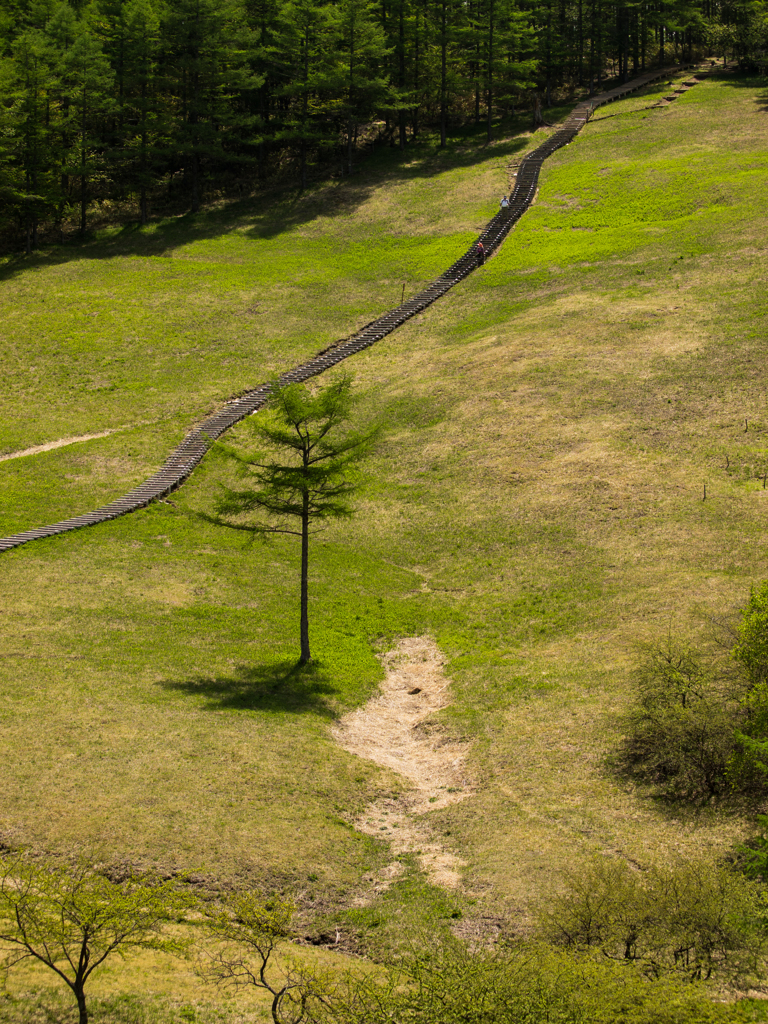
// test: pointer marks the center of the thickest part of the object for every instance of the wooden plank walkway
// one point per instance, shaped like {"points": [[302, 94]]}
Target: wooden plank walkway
{"points": [[192, 449]]}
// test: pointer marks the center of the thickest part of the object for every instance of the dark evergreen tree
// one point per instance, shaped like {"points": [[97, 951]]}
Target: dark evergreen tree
{"points": [[503, 56], [208, 77], [270, 66], [361, 57], [449, 33], [144, 121], [60, 33], [309, 39], [86, 81], [33, 193], [130, 30]]}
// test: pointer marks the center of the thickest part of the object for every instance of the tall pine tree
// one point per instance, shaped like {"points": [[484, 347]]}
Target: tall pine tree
{"points": [[208, 77]]}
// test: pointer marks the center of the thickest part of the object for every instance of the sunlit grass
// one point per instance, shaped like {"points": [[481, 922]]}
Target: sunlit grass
{"points": [[536, 505]]}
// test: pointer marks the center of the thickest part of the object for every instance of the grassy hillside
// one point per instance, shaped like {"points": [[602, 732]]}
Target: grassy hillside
{"points": [[536, 505], [143, 330]]}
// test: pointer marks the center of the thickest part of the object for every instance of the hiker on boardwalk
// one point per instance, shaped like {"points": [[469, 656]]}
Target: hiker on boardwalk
{"points": [[504, 203], [480, 254]]}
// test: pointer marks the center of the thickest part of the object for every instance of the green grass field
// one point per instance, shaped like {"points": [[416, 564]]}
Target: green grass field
{"points": [[536, 506]]}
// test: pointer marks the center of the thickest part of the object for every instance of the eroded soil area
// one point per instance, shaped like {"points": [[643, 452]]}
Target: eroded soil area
{"points": [[392, 730]]}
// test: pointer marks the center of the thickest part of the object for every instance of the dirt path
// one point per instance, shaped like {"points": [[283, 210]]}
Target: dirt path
{"points": [[392, 730], [61, 443]]}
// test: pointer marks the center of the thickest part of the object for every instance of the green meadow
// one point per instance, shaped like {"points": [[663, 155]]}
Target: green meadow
{"points": [[536, 505]]}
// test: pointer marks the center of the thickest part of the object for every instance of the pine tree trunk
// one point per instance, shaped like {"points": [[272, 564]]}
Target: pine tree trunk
{"points": [[143, 150], [620, 41], [478, 64], [599, 51], [143, 187], [34, 189], [351, 91], [261, 169], [82, 175], [304, 111], [443, 76], [416, 70], [305, 655], [195, 182], [643, 35], [401, 72], [548, 58], [194, 138], [490, 68]]}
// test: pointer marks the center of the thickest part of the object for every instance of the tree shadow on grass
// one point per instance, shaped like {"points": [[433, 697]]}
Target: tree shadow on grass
{"points": [[737, 79], [280, 688], [746, 80], [269, 214]]}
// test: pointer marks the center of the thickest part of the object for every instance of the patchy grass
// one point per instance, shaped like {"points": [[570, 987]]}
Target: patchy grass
{"points": [[562, 490], [160, 324], [536, 506]]}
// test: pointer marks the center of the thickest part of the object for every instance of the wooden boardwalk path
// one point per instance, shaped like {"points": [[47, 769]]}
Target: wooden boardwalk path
{"points": [[190, 452]]}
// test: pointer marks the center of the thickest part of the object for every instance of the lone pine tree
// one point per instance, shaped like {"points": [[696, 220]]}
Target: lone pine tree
{"points": [[304, 476]]}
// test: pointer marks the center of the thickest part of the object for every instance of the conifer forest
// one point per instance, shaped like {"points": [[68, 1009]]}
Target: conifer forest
{"points": [[116, 107]]}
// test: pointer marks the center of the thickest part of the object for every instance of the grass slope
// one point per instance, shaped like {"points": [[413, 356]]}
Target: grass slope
{"points": [[536, 505], [147, 329]]}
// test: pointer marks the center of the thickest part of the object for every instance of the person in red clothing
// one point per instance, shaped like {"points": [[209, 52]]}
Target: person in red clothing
{"points": [[480, 254]]}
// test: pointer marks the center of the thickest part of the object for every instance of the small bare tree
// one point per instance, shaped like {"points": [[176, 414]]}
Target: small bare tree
{"points": [[249, 930], [73, 919]]}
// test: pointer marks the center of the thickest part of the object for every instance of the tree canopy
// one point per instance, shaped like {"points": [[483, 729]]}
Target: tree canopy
{"points": [[72, 919]]}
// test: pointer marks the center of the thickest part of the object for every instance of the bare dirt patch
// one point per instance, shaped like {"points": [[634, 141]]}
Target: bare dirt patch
{"points": [[393, 730]]}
